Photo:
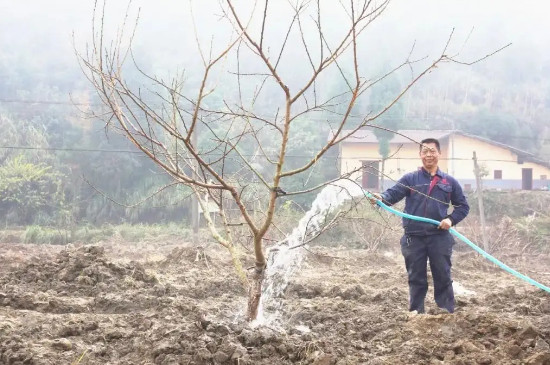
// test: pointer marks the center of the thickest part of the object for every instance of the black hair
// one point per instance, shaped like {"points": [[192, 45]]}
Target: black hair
{"points": [[430, 140]]}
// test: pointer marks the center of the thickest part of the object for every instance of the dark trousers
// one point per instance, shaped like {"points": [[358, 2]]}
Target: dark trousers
{"points": [[438, 249]]}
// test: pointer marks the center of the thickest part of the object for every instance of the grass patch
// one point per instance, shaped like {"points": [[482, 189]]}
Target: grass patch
{"points": [[89, 234], [144, 232], [45, 235]]}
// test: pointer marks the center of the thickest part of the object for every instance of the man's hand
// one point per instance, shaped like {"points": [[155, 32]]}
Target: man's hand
{"points": [[374, 197], [445, 224]]}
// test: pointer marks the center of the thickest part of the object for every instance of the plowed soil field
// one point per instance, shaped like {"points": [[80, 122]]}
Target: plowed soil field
{"points": [[169, 303]]}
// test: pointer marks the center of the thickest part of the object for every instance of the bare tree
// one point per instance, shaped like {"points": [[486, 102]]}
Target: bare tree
{"points": [[226, 134]]}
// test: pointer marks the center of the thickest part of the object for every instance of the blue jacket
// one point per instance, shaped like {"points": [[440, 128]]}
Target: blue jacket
{"points": [[442, 190]]}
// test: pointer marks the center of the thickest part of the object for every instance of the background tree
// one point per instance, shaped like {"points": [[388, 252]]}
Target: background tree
{"points": [[29, 191], [382, 94]]}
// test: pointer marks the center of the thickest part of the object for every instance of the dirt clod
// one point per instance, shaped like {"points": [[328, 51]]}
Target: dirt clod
{"points": [[62, 344]]}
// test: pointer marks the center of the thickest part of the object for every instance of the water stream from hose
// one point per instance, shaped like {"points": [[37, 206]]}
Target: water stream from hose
{"points": [[285, 258]]}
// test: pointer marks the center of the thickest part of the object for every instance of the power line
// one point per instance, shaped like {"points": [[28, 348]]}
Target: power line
{"points": [[66, 149], [45, 102], [94, 150]]}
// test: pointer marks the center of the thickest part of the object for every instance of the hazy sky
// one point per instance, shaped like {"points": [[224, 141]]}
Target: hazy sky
{"points": [[39, 32], [513, 20]]}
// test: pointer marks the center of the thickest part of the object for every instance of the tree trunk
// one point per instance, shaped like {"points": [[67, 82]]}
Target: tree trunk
{"points": [[255, 292], [256, 278], [381, 187]]}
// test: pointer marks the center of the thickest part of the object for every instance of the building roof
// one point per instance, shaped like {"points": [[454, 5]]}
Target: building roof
{"points": [[407, 136], [403, 136]]}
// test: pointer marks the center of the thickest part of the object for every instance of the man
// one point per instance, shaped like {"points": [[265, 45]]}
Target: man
{"points": [[427, 193]]}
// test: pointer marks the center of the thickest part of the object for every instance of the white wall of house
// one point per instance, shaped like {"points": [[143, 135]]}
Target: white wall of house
{"points": [[456, 159], [490, 158]]}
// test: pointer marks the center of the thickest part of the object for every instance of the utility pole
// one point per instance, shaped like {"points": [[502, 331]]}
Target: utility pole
{"points": [[381, 172], [479, 190]]}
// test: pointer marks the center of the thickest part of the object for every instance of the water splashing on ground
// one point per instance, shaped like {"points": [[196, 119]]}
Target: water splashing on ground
{"points": [[286, 257]]}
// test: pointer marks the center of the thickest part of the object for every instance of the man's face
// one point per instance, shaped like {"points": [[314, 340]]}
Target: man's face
{"points": [[429, 155]]}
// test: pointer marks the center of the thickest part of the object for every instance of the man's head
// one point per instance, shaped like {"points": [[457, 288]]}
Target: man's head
{"points": [[429, 153]]}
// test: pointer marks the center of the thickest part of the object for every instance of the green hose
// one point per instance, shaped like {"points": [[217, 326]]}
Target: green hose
{"points": [[466, 240]]}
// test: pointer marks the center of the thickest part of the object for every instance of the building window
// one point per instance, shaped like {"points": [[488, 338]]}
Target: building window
{"points": [[498, 175]]}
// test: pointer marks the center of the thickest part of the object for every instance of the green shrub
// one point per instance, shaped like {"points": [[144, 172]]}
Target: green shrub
{"points": [[29, 192], [514, 204]]}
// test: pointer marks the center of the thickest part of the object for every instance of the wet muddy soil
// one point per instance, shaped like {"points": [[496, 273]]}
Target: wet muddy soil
{"points": [[169, 303]]}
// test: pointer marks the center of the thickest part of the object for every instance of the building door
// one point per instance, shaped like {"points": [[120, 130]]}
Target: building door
{"points": [[371, 175], [527, 179]]}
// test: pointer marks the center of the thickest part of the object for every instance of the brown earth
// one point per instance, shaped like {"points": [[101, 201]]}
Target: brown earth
{"points": [[167, 303]]}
